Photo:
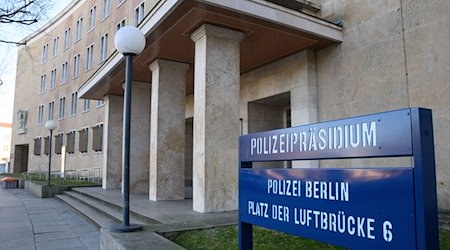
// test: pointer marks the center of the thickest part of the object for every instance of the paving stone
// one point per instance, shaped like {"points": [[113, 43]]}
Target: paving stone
{"points": [[55, 236], [49, 229], [60, 244], [30, 223]]}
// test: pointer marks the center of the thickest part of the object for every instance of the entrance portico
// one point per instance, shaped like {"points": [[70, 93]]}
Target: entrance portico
{"points": [[220, 41]]}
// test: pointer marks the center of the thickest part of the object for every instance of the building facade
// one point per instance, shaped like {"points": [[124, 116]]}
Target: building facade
{"points": [[212, 70], [5, 144]]}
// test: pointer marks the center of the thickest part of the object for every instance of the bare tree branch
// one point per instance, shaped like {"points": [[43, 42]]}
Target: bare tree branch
{"points": [[24, 12], [12, 42]]}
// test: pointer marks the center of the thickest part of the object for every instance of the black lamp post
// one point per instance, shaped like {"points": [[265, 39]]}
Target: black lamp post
{"points": [[50, 125], [129, 41]]}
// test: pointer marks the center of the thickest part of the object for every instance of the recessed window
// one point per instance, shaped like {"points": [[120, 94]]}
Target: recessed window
{"points": [[79, 29], [44, 53], [100, 103], [59, 139], [37, 146], [106, 8], [53, 79], [51, 109], [97, 138], [64, 73], [73, 109], [119, 2], [67, 38], [70, 144], [40, 115], [62, 107], [86, 105], [83, 143], [42, 86], [55, 46], [92, 14], [89, 57], [139, 14], [121, 24], [104, 47], [46, 141], [76, 66]]}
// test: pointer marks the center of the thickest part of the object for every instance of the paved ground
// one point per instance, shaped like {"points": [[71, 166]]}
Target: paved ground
{"points": [[28, 222]]}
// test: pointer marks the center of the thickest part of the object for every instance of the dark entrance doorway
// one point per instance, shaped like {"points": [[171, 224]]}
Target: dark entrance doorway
{"points": [[270, 113], [21, 158]]}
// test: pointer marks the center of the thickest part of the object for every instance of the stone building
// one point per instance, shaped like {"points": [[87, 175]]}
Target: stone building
{"points": [[212, 70], [5, 143]]}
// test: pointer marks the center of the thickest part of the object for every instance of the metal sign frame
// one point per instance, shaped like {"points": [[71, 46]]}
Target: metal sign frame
{"points": [[399, 133]]}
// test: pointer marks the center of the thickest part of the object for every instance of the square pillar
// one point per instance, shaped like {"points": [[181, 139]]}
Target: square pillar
{"points": [[140, 137], [216, 118], [304, 101], [112, 142], [167, 130]]}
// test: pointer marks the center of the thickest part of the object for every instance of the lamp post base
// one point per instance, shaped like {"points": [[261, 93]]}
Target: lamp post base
{"points": [[121, 228]]}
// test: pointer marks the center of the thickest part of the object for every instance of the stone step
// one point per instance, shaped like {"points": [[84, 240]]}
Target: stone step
{"points": [[113, 203], [114, 212], [444, 220], [98, 219]]}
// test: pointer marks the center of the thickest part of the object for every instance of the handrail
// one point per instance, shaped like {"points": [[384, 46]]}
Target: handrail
{"points": [[87, 174]]}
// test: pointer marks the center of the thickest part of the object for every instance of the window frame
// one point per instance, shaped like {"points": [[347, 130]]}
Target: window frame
{"points": [[92, 17], [67, 38], [62, 107]]}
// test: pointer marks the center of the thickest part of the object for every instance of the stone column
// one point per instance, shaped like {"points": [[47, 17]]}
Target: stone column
{"points": [[304, 100], [140, 137], [167, 130], [216, 118], [112, 142]]}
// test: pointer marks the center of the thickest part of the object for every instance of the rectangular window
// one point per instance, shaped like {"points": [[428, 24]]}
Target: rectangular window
{"points": [[79, 29], [53, 79], [120, 24], [97, 138], [40, 114], [62, 107], [73, 109], [104, 47], [106, 8], [51, 109], [55, 46], [83, 143], [86, 105], [44, 53], [67, 38], [37, 146], [119, 2], [70, 144], [139, 14], [46, 145], [42, 87], [89, 57], [100, 103], [92, 14], [76, 66], [64, 73], [59, 138]]}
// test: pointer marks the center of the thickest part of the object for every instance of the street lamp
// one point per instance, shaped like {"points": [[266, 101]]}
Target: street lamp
{"points": [[50, 125], [129, 41]]}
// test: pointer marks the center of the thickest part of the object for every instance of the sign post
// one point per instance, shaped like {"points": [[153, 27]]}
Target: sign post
{"points": [[373, 208]]}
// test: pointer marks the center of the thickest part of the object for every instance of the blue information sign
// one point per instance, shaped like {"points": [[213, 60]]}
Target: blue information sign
{"points": [[371, 208], [347, 207]]}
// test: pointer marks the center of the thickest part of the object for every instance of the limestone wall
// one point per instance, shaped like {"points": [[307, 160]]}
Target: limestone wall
{"points": [[394, 54]]}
